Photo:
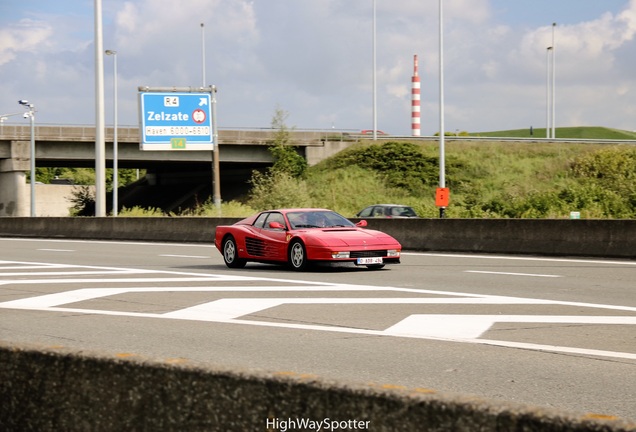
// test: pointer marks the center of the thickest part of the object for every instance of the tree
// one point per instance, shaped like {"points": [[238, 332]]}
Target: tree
{"points": [[283, 184], [286, 157]]}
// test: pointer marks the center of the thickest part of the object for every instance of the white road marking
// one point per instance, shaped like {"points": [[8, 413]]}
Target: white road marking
{"points": [[473, 326], [449, 327], [522, 258], [120, 280], [234, 308], [12, 265], [57, 250], [513, 274], [136, 243], [185, 256], [69, 273]]}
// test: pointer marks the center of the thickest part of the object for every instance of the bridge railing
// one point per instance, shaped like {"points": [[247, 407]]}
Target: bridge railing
{"points": [[131, 134]]}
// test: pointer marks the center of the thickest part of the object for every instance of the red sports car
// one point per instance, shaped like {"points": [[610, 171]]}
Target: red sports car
{"points": [[300, 237]]}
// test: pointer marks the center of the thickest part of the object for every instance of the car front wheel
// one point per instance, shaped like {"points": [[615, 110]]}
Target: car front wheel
{"points": [[230, 254], [298, 256]]}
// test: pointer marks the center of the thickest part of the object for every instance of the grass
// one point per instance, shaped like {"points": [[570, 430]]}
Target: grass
{"points": [[587, 132], [485, 171]]}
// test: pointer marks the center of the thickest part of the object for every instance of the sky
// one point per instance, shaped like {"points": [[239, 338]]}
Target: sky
{"points": [[314, 61]]}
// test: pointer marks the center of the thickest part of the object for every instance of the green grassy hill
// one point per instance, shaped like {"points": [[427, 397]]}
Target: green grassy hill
{"points": [[590, 132]]}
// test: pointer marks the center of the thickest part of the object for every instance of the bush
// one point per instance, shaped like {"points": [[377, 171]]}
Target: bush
{"points": [[277, 190], [228, 209], [141, 212], [83, 200], [402, 165]]}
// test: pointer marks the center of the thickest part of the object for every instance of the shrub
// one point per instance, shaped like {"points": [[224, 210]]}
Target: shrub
{"points": [[277, 190], [141, 212], [83, 200], [402, 165]]}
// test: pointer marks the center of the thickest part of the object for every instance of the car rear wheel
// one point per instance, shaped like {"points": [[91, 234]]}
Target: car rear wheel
{"points": [[297, 256], [230, 254]]}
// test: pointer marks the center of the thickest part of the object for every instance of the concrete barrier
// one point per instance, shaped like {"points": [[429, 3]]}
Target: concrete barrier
{"points": [[57, 390], [591, 237], [594, 238]]}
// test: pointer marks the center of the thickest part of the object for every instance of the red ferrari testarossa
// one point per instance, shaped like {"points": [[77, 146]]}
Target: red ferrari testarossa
{"points": [[300, 237]]}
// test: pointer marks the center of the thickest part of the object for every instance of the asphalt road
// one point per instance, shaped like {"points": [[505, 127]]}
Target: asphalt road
{"points": [[543, 331]]}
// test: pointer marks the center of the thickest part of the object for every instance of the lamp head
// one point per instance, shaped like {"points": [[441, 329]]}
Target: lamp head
{"points": [[23, 102]]}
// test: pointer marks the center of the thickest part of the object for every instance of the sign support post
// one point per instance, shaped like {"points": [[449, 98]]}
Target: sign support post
{"points": [[216, 170]]}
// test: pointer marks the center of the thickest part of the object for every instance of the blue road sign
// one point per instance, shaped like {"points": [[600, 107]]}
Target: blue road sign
{"points": [[176, 121]]}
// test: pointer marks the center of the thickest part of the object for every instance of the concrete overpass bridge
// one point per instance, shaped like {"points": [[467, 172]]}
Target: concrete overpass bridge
{"points": [[240, 152]]}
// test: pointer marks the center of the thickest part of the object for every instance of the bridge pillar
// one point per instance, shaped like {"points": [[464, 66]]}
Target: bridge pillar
{"points": [[14, 191]]}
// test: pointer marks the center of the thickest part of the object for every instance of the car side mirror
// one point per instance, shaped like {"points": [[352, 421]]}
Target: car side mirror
{"points": [[276, 225], [362, 223]]}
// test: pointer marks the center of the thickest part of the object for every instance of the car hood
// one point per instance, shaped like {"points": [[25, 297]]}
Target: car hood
{"points": [[353, 237]]}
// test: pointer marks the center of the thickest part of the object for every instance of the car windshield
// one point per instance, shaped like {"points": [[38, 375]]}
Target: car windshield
{"points": [[317, 219]]}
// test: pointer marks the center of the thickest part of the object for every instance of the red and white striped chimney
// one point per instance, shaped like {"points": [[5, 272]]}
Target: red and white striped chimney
{"points": [[415, 100]]}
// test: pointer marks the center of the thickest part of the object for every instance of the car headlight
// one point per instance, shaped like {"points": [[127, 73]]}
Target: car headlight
{"points": [[393, 253], [336, 255]]}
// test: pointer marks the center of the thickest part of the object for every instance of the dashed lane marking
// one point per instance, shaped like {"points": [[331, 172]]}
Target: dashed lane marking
{"points": [[513, 274], [185, 256]]}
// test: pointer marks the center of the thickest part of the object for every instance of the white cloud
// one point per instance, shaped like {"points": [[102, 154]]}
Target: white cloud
{"points": [[26, 36]]}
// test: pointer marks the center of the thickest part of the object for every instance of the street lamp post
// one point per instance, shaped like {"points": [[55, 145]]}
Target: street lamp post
{"points": [[115, 143], [375, 79], [553, 83], [547, 92], [442, 155], [100, 158], [202, 54], [30, 114], [4, 118]]}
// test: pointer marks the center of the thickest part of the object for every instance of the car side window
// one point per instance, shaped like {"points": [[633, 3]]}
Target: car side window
{"points": [[275, 217], [366, 212], [408, 211], [378, 211], [260, 220]]}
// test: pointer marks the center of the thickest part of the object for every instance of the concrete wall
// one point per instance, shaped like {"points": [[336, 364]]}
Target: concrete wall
{"points": [[54, 199], [597, 238], [578, 237], [56, 390], [50, 199]]}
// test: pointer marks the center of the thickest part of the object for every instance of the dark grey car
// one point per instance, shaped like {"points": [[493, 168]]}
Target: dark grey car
{"points": [[387, 211]]}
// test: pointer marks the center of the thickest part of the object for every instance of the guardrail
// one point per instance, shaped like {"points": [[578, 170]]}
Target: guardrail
{"points": [[65, 133], [228, 135]]}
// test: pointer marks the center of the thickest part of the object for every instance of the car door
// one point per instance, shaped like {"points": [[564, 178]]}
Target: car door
{"points": [[270, 243]]}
